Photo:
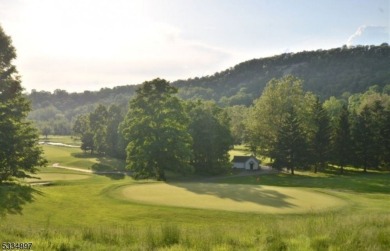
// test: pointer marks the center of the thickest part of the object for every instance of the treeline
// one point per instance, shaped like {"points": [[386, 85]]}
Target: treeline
{"points": [[160, 132], [298, 131], [54, 113], [325, 72], [293, 127]]}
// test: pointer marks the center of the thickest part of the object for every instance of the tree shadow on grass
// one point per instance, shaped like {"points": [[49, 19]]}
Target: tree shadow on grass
{"points": [[84, 155], [352, 181], [14, 196], [240, 193], [108, 171], [110, 167]]}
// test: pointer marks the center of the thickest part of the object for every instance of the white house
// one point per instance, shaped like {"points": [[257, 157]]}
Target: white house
{"points": [[246, 162]]}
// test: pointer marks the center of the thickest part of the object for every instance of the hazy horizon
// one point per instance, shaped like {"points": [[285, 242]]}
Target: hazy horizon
{"points": [[89, 45]]}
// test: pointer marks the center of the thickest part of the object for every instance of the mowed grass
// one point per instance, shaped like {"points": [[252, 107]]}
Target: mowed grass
{"points": [[240, 198], [50, 174], [67, 156], [94, 214], [68, 140]]}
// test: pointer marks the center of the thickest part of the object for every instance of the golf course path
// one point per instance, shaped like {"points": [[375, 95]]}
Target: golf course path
{"points": [[57, 165]]}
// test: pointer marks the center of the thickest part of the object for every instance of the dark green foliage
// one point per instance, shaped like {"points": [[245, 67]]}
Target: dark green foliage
{"points": [[99, 130], [156, 128], [364, 140], [82, 128], [385, 139], [269, 112], [319, 142], [97, 125], [341, 144], [238, 115], [290, 148], [19, 150], [209, 128], [114, 140], [324, 72]]}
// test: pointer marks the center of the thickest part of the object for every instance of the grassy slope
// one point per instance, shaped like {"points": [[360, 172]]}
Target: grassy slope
{"points": [[86, 215]]}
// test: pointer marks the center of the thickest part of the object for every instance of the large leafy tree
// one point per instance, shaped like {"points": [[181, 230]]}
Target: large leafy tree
{"points": [[156, 128], [212, 140], [19, 150], [269, 112], [82, 128], [114, 140], [98, 126]]}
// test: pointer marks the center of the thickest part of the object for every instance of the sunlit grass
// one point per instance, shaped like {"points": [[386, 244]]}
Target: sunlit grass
{"points": [[92, 213], [66, 156], [69, 140], [240, 198]]}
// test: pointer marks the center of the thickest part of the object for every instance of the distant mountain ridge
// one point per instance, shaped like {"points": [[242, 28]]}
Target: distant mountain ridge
{"points": [[324, 72]]}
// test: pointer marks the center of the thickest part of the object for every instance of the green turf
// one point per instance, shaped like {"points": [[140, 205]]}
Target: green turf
{"points": [[232, 197], [94, 214], [69, 140]]}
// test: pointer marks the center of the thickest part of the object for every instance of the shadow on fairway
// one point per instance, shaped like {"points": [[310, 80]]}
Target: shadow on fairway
{"points": [[14, 196], [109, 167], [240, 193], [356, 182]]}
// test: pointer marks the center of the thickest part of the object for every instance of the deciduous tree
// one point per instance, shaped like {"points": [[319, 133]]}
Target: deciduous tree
{"points": [[212, 140], [156, 128], [20, 154]]}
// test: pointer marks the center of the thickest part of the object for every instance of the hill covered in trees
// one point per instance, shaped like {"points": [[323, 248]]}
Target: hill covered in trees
{"points": [[324, 72]]}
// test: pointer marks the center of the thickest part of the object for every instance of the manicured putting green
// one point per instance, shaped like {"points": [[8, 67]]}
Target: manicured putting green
{"points": [[231, 197]]}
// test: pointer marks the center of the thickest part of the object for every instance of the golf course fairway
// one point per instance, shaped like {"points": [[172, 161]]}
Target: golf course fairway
{"points": [[239, 198]]}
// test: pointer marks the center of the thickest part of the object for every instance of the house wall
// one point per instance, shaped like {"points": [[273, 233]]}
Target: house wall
{"points": [[248, 166], [238, 165]]}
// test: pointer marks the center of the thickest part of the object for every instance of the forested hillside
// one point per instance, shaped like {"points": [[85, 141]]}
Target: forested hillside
{"points": [[324, 72]]}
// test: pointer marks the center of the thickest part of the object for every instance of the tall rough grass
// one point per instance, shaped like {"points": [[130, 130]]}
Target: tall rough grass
{"points": [[331, 231]]}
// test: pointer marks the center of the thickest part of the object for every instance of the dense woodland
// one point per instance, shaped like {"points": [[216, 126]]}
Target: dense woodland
{"points": [[280, 107], [293, 127], [165, 128], [326, 73]]}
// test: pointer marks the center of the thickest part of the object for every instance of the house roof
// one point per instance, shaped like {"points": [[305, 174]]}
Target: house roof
{"points": [[243, 159]]}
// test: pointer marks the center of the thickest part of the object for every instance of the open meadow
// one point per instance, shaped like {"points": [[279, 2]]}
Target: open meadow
{"points": [[85, 211]]}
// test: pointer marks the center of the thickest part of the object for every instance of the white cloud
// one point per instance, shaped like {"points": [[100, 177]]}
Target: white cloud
{"points": [[369, 34], [79, 45]]}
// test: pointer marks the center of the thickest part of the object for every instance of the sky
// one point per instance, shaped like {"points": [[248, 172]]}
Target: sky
{"points": [[78, 45]]}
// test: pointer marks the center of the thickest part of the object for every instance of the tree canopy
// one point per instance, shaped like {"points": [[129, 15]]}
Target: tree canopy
{"points": [[20, 154], [156, 128]]}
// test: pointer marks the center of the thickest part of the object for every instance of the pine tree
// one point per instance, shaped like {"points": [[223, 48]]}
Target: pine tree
{"points": [[320, 141], [363, 139], [342, 140], [290, 150]]}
